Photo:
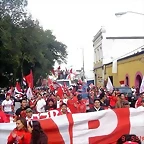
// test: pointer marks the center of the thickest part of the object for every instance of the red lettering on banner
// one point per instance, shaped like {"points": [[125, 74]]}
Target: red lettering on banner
{"points": [[52, 131], [123, 127], [71, 123], [93, 124], [53, 113], [91, 128]]}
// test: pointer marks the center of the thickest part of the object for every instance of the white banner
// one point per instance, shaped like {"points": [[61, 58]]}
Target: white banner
{"points": [[102, 127]]}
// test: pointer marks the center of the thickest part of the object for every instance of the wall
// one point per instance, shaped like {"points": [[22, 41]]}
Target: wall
{"points": [[99, 77], [129, 67]]}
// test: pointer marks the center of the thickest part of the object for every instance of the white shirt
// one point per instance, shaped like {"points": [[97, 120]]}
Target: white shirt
{"points": [[40, 105], [7, 105], [58, 103], [65, 100]]}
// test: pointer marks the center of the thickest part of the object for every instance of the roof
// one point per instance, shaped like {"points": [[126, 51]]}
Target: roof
{"points": [[127, 57], [126, 37]]}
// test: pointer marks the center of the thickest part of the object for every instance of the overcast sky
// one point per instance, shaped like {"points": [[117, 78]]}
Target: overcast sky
{"points": [[75, 22]]}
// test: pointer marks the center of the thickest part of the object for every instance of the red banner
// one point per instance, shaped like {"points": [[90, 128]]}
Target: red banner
{"points": [[103, 127]]}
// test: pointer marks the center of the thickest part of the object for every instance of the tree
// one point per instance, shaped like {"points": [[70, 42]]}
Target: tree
{"points": [[24, 44]]}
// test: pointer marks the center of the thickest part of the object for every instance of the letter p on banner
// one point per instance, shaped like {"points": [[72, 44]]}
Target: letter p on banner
{"points": [[100, 127]]}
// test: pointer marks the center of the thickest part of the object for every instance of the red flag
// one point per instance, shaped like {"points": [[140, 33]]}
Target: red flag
{"points": [[60, 92], [18, 87], [70, 70], [29, 79], [50, 84], [59, 68]]}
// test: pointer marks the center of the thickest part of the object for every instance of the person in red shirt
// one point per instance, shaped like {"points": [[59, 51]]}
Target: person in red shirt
{"points": [[71, 103], [20, 135], [138, 102], [3, 118], [81, 104], [113, 99]]}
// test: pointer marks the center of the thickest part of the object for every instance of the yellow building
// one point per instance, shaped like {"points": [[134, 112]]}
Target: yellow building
{"points": [[130, 69]]}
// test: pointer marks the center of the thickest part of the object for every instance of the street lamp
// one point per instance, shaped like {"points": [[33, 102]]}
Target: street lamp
{"points": [[123, 13]]}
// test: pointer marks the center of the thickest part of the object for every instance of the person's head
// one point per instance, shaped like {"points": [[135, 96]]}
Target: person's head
{"points": [[126, 104], [7, 97], [122, 96], [65, 95], [102, 96], [79, 97], [37, 132], [142, 95], [23, 103], [64, 108], [58, 98], [29, 112], [51, 102], [113, 93], [97, 103], [71, 95], [21, 123]]}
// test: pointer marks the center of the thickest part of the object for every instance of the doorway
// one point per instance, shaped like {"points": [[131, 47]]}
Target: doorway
{"points": [[127, 81], [138, 81]]}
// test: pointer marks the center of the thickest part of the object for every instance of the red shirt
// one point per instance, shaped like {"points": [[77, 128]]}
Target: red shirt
{"points": [[138, 102], [81, 106], [22, 137], [3, 117], [113, 100], [71, 104]]}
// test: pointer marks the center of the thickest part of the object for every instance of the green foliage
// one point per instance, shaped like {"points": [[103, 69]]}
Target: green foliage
{"points": [[24, 44]]}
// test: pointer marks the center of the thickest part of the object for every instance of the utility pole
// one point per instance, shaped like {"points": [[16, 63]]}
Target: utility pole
{"points": [[83, 63]]}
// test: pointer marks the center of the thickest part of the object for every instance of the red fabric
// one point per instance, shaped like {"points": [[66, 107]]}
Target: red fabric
{"points": [[73, 124], [60, 92], [138, 102], [23, 137], [113, 100], [29, 79], [71, 71], [18, 87], [60, 112], [3, 117], [81, 106], [71, 104]]}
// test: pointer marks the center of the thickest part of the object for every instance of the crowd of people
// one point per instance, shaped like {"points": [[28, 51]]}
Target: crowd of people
{"points": [[44, 100]]}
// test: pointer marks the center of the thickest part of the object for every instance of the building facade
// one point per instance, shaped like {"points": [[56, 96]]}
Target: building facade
{"points": [[108, 49], [130, 69], [98, 57]]}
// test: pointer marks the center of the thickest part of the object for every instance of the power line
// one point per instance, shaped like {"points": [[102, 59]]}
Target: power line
{"points": [[129, 52]]}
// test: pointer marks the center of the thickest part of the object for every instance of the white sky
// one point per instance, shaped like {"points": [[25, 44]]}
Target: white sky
{"points": [[75, 22]]}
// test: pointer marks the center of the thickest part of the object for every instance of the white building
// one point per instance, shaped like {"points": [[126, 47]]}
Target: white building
{"points": [[110, 48]]}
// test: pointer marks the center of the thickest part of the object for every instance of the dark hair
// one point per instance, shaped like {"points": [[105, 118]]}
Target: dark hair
{"points": [[24, 99], [102, 95], [38, 135], [63, 104], [23, 121], [97, 99]]}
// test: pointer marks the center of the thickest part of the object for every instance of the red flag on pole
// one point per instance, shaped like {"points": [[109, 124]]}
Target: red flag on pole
{"points": [[29, 79]]}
